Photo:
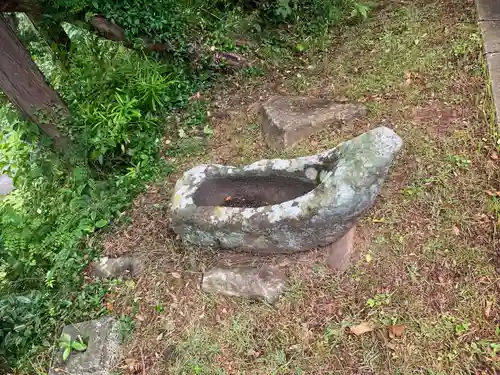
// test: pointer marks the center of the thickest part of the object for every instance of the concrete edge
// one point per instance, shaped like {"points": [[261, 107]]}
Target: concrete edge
{"points": [[488, 14]]}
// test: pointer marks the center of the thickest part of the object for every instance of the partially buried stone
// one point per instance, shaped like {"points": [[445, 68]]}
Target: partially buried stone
{"points": [[102, 353], [340, 252], [126, 266], [263, 284], [287, 120]]}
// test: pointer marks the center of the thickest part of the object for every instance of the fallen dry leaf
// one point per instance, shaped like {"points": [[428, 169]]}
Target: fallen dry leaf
{"points": [[176, 275], [487, 309], [140, 317], [361, 328], [455, 230], [396, 330]]}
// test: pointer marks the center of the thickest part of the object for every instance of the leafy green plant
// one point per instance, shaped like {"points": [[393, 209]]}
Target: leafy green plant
{"points": [[378, 300], [360, 10], [68, 345], [118, 100], [461, 328], [126, 326], [460, 162]]}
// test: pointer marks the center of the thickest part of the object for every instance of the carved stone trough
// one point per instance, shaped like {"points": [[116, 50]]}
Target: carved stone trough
{"points": [[282, 206]]}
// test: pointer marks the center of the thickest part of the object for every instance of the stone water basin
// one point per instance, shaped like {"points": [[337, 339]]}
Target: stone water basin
{"points": [[280, 205]]}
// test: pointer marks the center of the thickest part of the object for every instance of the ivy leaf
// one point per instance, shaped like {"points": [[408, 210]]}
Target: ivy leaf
{"points": [[65, 337], [85, 225], [66, 353], [79, 346], [101, 223]]}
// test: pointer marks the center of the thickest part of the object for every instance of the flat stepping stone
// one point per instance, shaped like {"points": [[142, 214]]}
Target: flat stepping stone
{"points": [[264, 284], [286, 120], [103, 349]]}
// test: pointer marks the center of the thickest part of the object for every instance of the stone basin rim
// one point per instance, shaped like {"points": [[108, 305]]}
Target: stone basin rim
{"points": [[333, 178], [243, 172]]}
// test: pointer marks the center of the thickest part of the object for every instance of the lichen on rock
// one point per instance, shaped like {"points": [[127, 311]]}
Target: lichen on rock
{"points": [[316, 199]]}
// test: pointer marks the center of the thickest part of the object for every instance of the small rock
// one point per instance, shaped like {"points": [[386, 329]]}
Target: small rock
{"points": [[116, 267], [103, 349], [339, 253], [263, 284], [6, 184], [287, 120]]}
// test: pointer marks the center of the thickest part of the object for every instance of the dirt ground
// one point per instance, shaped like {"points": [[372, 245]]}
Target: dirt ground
{"points": [[427, 258]]}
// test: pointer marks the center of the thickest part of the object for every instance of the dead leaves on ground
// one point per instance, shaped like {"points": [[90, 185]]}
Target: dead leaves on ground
{"points": [[363, 327], [394, 331], [487, 309]]}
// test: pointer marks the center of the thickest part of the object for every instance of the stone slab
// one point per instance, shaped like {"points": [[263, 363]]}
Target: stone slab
{"points": [[263, 283], [102, 352], [491, 35], [493, 61], [488, 10], [286, 120], [340, 252]]}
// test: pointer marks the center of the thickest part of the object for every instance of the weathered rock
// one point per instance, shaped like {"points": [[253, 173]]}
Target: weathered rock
{"points": [[302, 203], [103, 349], [263, 284], [286, 120], [339, 253], [116, 267]]}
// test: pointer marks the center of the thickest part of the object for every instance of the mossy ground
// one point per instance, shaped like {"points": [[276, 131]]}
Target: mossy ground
{"points": [[427, 253]]}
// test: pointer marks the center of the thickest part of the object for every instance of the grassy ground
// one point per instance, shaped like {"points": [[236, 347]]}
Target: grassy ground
{"points": [[425, 254]]}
